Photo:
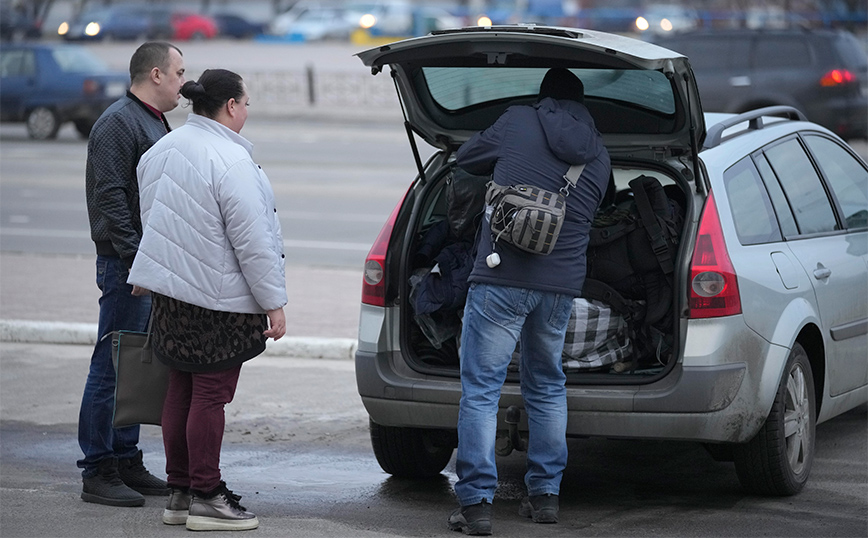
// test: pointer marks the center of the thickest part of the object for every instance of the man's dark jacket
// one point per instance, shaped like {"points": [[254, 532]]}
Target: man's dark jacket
{"points": [[536, 145], [119, 138]]}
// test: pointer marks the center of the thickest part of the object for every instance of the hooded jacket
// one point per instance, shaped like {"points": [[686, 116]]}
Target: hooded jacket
{"points": [[536, 145], [211, 236]]}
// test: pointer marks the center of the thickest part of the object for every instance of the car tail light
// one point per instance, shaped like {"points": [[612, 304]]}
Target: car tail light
{"points": [[713, 283], [374, 283], [90, 87], [837, 77]]}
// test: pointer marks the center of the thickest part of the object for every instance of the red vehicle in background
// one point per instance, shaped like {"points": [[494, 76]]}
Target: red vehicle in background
{"points": [[188, 25]]}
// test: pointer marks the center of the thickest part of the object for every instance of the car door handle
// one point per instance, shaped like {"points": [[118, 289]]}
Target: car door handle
{"points": [[822, 273], [739, 81]]}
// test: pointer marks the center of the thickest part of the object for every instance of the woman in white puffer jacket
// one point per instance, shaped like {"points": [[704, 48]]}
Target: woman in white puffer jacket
{"points": [[212, 256]]}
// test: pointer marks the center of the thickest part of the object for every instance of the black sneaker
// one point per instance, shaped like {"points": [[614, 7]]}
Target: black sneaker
{"points": [[106, 487], [540, 508], [474, 520], [132, 471], [218, 510]]}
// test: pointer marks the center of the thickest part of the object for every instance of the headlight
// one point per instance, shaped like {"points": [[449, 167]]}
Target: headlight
{"points": [[63, 28], [367, 21], [92, 29], [642, 23]]}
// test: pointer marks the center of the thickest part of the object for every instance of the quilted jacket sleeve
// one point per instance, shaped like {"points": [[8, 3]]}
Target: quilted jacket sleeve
{"points": [[246, 202]]}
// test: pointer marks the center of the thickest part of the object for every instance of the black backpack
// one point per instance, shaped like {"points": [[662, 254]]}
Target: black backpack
{"points": [[630, 261]]}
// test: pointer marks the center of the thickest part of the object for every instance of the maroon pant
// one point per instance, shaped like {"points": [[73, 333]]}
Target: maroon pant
{"points": [[193, 421]]}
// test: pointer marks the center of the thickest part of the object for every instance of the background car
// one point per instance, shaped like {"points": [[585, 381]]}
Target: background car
{"points": [[45, 85], [138, 22], [234, 25], [666, 18], [121, 22], [823, 73], [187, 25], [315, 23], [763, 332]]}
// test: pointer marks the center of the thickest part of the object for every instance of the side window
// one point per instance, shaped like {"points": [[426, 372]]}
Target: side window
{"points": [[751, 210], [779, 200], [781, 53], [846, 176], [16, 63], [802, 186]]}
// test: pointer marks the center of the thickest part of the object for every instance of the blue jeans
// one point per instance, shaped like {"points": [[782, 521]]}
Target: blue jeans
{"points": [[495, 318], [118, 310]]}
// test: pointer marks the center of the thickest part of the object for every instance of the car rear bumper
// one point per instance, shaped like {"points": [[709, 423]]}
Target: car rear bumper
{"points": [[721, 392]]}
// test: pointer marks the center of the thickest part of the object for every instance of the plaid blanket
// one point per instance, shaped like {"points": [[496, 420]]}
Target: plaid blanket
{"points": [[596, 336]]}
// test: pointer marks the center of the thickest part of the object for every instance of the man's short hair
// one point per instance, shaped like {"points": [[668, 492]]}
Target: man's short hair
{"points": [[148, 56], [560, 83]]}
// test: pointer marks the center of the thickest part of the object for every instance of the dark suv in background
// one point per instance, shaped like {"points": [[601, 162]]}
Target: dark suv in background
{"points": [[823, 73]]}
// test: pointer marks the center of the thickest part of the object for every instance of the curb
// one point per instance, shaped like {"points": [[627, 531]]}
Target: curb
{"points": [[53, 332]]}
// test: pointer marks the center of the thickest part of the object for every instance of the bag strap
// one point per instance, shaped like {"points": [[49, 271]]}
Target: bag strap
{"points": [[652, 225], [572, 177]]}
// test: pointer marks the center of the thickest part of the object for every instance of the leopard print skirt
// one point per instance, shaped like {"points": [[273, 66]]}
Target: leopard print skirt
{"points": [[195, 339]]}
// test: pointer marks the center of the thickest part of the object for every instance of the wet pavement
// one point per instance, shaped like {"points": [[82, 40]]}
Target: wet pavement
{"points": [[297, 449]]}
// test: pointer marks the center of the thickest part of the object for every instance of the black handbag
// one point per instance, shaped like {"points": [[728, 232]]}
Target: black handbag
{"points": [[141, 382]]}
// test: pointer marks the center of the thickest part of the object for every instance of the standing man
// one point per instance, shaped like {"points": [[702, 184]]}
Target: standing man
{"points": [[525, 297], [113, 472]]}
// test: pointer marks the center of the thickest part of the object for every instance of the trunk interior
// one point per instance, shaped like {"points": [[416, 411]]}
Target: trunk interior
{"points": [[624, 329]]}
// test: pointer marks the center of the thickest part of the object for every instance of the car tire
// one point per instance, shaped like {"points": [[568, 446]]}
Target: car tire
{"points": [[777, 461], [84, 127], [42, 123], [412, 452]]}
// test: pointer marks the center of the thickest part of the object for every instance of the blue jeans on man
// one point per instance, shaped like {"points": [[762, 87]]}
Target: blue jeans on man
{"points": [[118, 310], [495, 318]]}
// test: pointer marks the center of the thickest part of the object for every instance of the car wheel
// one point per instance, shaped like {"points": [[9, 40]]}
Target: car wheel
{"points": [[777, 461], [42, 123], [84, 127], [412, 452]]}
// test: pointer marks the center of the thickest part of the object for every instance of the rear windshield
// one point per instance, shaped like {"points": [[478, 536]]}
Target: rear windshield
{"points": [[456, 88]]}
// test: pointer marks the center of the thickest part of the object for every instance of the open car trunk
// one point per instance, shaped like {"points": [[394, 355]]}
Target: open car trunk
{"points": [[612, 338], [643, 98]]}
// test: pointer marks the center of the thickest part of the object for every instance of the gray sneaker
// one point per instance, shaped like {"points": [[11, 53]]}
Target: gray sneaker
{"points": [[177, 507], [219, 511], [106, 487]]}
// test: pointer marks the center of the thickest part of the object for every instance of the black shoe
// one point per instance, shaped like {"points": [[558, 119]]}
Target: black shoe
{"points": [[474, 520], [132, 471], [106, 487], [540, 508]]}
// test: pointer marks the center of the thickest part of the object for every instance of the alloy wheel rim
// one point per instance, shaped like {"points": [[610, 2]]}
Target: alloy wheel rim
{"points": [[797, 420], [41, 122]]}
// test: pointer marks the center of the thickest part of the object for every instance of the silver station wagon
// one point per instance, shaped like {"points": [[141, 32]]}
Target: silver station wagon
{"points": [[740, 310]]}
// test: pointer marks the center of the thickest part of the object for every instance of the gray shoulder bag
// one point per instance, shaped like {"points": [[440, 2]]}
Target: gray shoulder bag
{"points": [[528, 217]]}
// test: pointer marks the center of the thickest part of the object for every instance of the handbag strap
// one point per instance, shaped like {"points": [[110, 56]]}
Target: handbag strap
{"points": [[572, 177]]}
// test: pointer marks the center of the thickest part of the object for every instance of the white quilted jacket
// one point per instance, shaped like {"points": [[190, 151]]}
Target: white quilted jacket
{"points": [[211, 236]]}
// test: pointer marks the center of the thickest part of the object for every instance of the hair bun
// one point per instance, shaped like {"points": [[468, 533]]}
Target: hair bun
{"points": [[192, 89]]}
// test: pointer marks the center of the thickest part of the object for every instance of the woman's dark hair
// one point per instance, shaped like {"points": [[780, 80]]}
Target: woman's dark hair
{"points": [[213, 89]]}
